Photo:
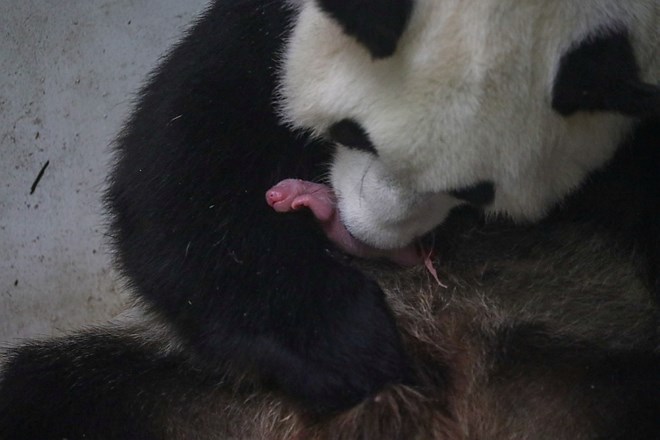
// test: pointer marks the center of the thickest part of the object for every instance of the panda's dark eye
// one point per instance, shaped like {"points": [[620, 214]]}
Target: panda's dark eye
{"points": [[351, 134], [479, 194]]}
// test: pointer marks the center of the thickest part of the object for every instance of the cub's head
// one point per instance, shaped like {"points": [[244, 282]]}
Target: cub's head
{"points": [[505, 104]]}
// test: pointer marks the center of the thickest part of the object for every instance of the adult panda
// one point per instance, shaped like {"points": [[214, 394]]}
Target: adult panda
{"points": [[414, 107]]}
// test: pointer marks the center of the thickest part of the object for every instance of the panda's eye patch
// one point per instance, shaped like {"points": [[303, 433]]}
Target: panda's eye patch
{"points": [[351, 134], [479, 194]]}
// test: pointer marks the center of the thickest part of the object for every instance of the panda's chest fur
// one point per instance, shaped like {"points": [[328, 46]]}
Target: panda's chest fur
{"points": [[466, 98]]}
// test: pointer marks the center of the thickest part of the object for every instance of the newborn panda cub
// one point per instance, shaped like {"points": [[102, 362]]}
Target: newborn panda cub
{"points": [[291, 195]]}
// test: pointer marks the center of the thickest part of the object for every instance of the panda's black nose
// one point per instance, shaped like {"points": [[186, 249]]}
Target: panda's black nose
{"points": [[351, 134]]}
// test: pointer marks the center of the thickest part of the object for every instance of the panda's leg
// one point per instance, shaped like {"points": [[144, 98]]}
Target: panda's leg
{"points": [[102, 384], [244, 286], [260, 290]]}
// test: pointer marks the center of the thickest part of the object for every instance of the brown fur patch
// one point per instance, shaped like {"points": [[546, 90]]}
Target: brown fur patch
{"points": [[506, 351]]}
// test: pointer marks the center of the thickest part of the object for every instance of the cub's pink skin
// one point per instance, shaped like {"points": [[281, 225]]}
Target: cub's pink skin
{"points": [[293, 194]]}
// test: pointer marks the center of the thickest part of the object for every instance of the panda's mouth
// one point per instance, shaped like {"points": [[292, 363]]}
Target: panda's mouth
{"points": [[293, 194]]}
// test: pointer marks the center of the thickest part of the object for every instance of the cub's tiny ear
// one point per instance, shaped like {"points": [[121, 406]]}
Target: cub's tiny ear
{"points": [[377, 24], [602, 74]]}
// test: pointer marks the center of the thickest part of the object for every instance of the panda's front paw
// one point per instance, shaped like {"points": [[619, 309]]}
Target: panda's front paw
{"points": [[347, 348]]}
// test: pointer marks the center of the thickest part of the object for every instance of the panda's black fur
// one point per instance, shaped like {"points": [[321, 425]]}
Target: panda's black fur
{"points": [[257, 327], [195, 238]]}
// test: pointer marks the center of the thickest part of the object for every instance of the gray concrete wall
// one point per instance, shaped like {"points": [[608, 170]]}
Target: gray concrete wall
{"points": [[68, 72]]}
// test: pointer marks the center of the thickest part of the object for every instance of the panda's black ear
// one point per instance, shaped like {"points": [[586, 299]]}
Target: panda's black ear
{"points": [[601, 74], [377, 24]]}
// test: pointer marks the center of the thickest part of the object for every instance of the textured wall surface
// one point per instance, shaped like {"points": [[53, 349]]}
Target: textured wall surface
{"points": [[68, 73]]}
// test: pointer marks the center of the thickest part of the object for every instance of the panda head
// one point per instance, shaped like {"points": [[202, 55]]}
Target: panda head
{"points": [[505, 104]]}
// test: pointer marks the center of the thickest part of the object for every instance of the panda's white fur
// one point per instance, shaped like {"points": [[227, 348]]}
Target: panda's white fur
{"points": [[465, 98]]}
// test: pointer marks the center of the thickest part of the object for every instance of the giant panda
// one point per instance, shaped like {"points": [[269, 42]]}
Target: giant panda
{"points": [[518, 139]]}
